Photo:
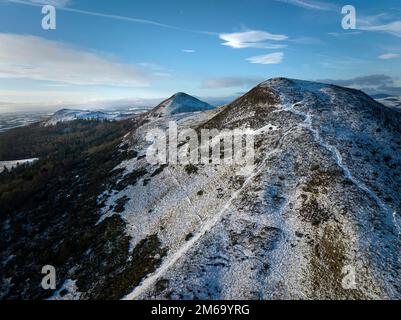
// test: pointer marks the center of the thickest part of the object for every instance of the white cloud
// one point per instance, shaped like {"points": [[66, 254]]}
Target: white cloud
{"points": [[30, 57], [388, 56], [312, 5], [272, 58], [252, 39], [188, 50]]}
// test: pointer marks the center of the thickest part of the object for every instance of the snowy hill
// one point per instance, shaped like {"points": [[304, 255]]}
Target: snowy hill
{"points": [[321, 203], [390, 101], [327, 175], [180, 103]]}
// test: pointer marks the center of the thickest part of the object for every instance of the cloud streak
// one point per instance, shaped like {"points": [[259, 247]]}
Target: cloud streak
{"points": [[35, 58], [312, 5], [378, 23], [271, 58], [133, 104], [252, 39], [113, 16]]}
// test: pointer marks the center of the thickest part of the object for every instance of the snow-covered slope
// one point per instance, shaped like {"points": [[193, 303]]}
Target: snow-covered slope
{"points": [[66, 115], [318, 218], [180, 103]]}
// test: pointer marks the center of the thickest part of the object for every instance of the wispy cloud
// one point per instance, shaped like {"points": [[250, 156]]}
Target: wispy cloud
{"points": [[188, 50], [371, 84], [306, 40], [230, 82], [271, 58], [312, 5], [380, 23], [388, 56], [111, 16], [56, 3], [370, 80], [252, 39], [341, 62], [30, 57]]}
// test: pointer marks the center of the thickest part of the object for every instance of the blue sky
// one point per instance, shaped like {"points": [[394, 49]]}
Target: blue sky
{"points": [[142, 51]]}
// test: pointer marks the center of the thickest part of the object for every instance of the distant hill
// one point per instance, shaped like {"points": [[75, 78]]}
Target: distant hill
{"points": [[66, 115]]}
